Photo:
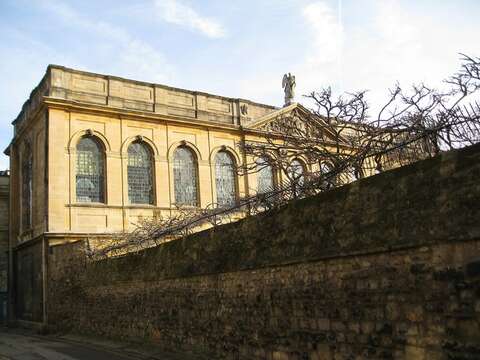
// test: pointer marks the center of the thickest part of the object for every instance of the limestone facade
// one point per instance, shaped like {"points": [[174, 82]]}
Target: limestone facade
{"points": [[69, 105]]}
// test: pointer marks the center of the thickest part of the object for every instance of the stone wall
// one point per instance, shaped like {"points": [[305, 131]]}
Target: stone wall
{"points": [[4, 198], [387, 267], [28, 275]]}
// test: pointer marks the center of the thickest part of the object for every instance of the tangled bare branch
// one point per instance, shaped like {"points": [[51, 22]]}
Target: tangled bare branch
{"points": [[337, 142]]}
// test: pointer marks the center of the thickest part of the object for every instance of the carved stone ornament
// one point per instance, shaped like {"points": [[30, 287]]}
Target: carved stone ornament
{"points": [[289, 84], [89, 132], [183, 143], [139, 138], [244, 109], [223, 148]]}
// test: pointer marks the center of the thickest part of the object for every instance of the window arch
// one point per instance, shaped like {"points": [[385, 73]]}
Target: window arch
{"points": [[325, 167], [185, 176], [327, 171], [27, 177], [139, 173], [350, 174], [90, 172], [265, 178], [225, 180], [296, 174]]}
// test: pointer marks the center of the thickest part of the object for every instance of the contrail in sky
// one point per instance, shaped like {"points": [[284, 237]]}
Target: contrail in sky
{"points": [[340, 47]]}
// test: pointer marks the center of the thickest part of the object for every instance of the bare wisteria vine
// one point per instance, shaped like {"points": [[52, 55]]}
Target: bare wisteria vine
{"points": [[338, 141]]}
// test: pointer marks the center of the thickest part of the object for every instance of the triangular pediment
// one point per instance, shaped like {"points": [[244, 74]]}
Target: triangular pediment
{"points": [[262, 122], [294, 112]]}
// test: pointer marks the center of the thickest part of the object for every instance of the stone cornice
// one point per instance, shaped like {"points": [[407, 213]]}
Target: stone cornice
{"points": [[71, 105], [137, 98], [33, 116], [166, 87]]}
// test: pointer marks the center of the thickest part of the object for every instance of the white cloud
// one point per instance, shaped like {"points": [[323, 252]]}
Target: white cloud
{"points": [[322, 64], [175, 12], [129, 56], [20, 71], [103, 47], [391, 43], [319, 65], [327, 33]]}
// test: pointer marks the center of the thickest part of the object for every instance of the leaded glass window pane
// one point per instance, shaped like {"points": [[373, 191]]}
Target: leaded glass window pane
{"points": [[297, 172], [90, 171], [225, 179], [264, 176], [185, 177], [350, 174], [27, 188], [329, 179], [325, 168], [297, 176], [140, 174]]}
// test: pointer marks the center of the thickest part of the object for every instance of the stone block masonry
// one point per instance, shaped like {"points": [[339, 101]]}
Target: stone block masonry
{"points": [[384, 268], [4, 181]]}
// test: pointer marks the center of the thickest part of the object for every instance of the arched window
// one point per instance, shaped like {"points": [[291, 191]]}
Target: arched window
{"points": [[225, 178], [140, 174], [297, 176], [265, 180], [329, 178], [90, 175], [27, 187], [185, 177], [350, 174], [325, 167]]}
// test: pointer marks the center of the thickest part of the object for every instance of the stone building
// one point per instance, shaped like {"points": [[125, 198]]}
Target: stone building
{"points": [[4, 199], [92, 154]]}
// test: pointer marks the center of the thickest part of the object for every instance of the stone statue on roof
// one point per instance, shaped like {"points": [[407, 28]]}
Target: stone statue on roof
{"points": [[288, 84]]}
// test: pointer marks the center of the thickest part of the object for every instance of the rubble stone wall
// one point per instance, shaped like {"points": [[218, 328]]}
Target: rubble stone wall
{"points": [[385, 268]]}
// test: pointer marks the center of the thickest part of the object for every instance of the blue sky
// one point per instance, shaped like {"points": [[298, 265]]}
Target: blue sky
{"points": [[235, 48]]}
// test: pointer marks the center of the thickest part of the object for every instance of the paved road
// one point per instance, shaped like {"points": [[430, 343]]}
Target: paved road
{"points": [[15, 346]]}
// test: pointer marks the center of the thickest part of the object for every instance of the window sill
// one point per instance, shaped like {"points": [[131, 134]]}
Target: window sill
{"points": [[106, 206], [140, 206], [88, 204], [185, 207]]}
